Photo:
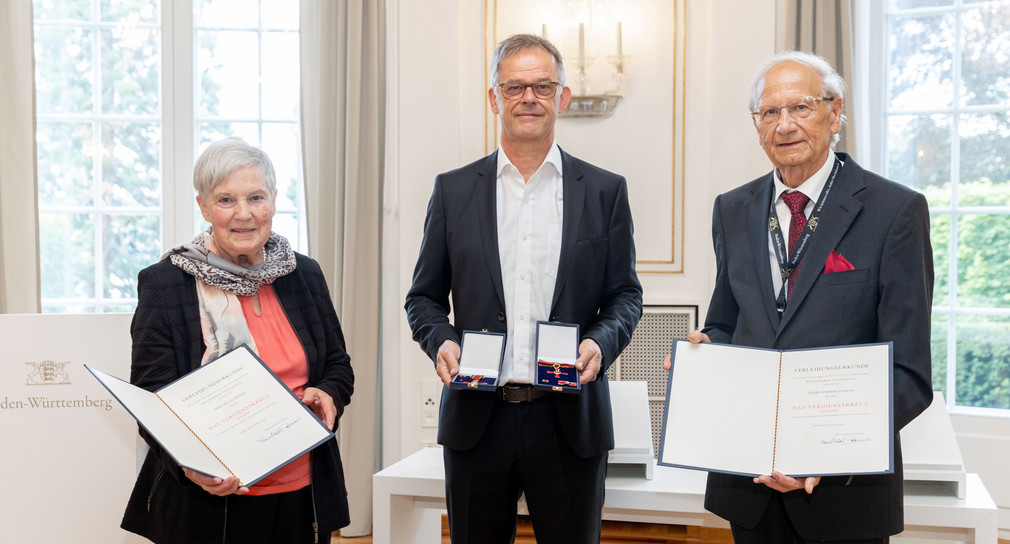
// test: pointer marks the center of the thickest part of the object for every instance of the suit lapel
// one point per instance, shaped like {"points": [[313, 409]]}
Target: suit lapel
{"points": [[574, 193], [757, 227], [840, 209], [487, 219]]}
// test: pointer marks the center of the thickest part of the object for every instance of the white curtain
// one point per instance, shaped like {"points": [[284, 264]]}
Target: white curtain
{"points": [[342, 73], [824, 27], [19, 241]]}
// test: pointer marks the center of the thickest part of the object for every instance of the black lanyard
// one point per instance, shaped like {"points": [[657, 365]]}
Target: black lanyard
{"points": [[788, 265]]}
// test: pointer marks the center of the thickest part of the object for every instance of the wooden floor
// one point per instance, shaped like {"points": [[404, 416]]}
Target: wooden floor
{"points": [[614, 532]]}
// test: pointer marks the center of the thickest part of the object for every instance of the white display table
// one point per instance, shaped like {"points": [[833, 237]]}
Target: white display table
{"points": [[409, 498]]}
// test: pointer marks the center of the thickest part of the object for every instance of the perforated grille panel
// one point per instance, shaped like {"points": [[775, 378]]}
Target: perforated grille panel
{"points": [[641, 360], [656, 411]]}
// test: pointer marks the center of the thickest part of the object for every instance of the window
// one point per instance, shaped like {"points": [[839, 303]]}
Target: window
{"points": [[947, 134], [99, 133], [246, 61], [109, 136]]}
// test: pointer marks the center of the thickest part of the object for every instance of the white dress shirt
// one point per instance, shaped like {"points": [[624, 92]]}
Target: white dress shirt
{"points": [[529, 246], [811, 187]]}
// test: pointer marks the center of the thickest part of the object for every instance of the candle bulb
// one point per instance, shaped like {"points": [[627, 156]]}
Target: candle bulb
{"points": [[620, 53], [543, 30]]}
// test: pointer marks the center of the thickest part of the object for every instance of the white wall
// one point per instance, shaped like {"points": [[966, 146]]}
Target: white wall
{"points": [[435, 124]]}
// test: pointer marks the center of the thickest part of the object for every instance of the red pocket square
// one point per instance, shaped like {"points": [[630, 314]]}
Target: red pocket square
{"points": [[836, 263]]}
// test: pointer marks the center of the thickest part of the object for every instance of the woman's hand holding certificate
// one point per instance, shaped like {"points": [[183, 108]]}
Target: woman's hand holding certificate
{"points": [[231, 422]]}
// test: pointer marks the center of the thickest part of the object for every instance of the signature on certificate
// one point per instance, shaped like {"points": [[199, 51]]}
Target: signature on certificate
{"points": [[283, 427], [845, 440]]}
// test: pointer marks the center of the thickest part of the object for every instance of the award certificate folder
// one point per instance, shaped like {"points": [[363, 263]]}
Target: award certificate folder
{"points": [[809, 412], [230, 417]]}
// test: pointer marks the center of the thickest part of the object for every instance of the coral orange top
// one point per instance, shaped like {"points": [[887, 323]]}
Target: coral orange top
{"points": [[280, 349]]}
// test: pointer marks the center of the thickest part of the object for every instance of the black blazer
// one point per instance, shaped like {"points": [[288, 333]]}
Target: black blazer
{"points": [[882, 228], [596, 287], [165, 506]]}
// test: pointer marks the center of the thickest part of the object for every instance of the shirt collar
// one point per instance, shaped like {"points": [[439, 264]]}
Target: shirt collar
{"points": [[812, 186], [553, 158]]}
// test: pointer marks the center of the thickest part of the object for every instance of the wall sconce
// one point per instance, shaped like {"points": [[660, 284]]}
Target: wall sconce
{"points": [[584, 103]]}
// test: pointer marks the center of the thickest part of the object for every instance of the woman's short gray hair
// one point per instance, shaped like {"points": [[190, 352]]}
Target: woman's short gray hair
{"points": [[834, 84], [518, 42], [225, 157]]}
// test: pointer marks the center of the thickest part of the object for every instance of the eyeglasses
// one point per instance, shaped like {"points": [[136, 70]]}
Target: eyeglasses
{"points": [[801, 108], [544, 89]]}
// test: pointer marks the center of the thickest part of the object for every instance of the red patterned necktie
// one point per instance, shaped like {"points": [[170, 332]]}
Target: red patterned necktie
{"points": [[796, 202]]}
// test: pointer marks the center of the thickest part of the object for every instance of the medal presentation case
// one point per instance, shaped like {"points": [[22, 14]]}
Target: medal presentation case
{"points": [[479, 361], [557, 350]]}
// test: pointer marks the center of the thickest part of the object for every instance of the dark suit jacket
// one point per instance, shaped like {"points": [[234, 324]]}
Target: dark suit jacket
{"points": [[882, 228], [596, 287]]}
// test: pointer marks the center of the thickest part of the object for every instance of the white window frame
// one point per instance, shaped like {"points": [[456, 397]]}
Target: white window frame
{"points": [[178, 106]]}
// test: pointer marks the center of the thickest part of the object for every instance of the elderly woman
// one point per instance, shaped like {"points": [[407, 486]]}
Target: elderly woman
{"points": [[237, 283]]}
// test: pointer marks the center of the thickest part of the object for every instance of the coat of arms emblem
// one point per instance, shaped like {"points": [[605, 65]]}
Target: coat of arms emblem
{"points": [[48, 373]]}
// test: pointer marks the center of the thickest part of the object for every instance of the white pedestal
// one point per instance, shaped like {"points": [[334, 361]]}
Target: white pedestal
{"points": [[929, 449], [632, 426]]}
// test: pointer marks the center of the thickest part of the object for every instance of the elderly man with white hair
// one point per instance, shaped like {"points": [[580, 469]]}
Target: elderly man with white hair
{"points": [[819, 252]]}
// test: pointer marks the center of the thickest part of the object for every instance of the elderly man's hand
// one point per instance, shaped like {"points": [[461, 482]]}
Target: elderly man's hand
{"points": [[447, 362], [696, 337], [781, 482]]}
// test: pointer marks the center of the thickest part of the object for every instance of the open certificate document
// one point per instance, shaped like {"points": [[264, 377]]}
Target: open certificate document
{"points": [[809, 412], [232, 416]]}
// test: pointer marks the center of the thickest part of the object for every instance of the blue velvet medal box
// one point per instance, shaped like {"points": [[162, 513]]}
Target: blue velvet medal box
{"points": [[557, 350], [480, 361]]}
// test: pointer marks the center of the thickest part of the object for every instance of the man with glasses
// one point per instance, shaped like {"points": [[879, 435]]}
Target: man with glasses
{"points": [[526, 234], [819, 252]]}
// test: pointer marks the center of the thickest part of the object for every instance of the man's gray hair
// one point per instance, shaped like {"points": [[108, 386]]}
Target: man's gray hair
{"points": [[518, 42], [834, 85], [225, 157]]}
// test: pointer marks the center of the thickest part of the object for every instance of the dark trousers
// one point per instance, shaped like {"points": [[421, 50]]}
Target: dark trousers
{"points": [[523, 450], [284, 518], [775, 528]]}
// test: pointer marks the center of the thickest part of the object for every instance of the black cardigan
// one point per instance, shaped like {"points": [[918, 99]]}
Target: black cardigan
{"points": [[167, 343]]}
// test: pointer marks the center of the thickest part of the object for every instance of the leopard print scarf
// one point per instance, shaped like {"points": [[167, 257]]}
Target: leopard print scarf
{"points": [[208, 267]]}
